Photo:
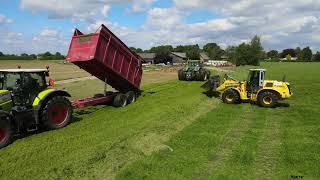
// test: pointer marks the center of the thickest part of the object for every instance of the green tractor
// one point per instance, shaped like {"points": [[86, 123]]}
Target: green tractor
{"points": [[194, 71], [28, 102]]}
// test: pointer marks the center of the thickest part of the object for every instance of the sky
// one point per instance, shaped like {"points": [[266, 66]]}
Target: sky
{"points": [[37, 26]]}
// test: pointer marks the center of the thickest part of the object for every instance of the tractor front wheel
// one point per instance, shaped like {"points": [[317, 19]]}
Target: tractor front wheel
{"points": [[57, 113], [230, 96], [5, 133], [268, 99]]}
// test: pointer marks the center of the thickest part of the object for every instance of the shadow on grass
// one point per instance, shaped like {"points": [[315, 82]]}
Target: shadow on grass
{"points": [[212, 94], [77, 116]]}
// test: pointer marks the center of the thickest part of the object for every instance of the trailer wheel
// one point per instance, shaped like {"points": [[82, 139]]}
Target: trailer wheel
{"points": [[131, 97], [57, 113], [5, 133], [120, 100]]}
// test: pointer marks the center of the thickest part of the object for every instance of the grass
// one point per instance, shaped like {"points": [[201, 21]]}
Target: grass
{"points": [[59, 70], [176, 132]]}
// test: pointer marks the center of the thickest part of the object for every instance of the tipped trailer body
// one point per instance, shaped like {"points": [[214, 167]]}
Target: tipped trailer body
{"points": [[106, 57]]}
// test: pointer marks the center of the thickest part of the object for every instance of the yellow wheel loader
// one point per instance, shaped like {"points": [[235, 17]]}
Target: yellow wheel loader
{"points": [[266, 93]]}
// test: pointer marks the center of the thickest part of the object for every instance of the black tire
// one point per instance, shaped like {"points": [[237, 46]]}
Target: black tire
{"points": [[181, 75], [5, 133], [205, 76], [131, 97], [230, 96], [57, 113], [120, 100], [268, 99]]}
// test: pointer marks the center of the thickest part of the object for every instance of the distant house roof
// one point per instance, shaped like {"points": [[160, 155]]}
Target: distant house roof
{"points": [[224, 57], [179, 54], [147, 55], [204, 56]]}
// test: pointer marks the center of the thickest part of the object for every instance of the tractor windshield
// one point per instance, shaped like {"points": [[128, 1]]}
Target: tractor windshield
{"points": [[193, 63], [11, 80]]}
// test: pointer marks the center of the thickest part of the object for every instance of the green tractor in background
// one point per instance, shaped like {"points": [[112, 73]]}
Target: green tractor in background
{"points": [[27, 102], [194, 71]]}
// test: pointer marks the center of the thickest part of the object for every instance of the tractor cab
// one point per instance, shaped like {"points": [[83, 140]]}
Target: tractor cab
{"points": [[255, 80], [24, 84]]}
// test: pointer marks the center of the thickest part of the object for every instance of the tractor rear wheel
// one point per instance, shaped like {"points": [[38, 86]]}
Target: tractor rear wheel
{"points": [[131, 97], [5, 133], [268, 99], [181, 75], [230, 96], [57, 113], [120, 100]]}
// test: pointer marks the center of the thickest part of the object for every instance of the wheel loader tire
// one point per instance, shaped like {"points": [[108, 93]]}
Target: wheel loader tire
{"points": [[120, 100], [5, 133], [268, 99], [230, 96], [181, 75], [131, 97], [57, 113]]}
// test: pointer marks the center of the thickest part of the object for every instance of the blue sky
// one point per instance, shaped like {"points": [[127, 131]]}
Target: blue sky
{"points": [[34, 26]]}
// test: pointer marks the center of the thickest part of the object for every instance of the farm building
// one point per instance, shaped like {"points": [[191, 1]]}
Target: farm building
{"points": [[148, 58], [204, 57], [178, 57]]}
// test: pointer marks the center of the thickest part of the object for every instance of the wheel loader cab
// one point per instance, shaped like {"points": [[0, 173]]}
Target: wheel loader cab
{"points": [[255, 80]]}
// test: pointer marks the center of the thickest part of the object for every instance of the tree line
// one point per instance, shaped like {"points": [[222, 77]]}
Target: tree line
{"points": [[250, 53], [301, 54], [25, 56]]}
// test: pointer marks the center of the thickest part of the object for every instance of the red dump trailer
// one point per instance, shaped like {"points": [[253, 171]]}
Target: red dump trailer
{"points": [[105, 56]]}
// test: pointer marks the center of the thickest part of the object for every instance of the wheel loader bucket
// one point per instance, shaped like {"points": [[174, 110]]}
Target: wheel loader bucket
{"points": [[212, 84]]}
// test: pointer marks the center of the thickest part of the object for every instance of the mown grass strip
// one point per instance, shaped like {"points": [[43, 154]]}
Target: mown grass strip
{"points": [[190, 149], [102, 143]]}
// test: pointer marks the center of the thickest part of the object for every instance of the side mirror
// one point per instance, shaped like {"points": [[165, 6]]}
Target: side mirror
{"points": [[51, 82]]}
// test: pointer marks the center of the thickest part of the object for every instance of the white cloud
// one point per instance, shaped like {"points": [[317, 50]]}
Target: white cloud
{"points": [[281, 24], [4, 19], [105, 10], [80, 10]]}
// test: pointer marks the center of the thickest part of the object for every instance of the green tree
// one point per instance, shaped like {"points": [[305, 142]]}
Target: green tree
{"points": [[231, 53], [316, 57], [256, 51], [285, 52], [136, 50], [192, 51], [213, 50], [1, 54], [161, 49], [273, 54], [306, 54], [298, 53]]}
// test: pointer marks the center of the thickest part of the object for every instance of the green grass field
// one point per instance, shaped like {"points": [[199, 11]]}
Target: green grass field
{"points": [[174, 131]]}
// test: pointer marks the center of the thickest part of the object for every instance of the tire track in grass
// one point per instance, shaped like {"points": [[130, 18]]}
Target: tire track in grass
{"points": [[152, 140], [231, 140], [151, 137], [268, 155]]}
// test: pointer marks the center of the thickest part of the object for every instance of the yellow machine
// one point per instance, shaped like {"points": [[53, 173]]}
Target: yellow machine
{"points": [[266, 93]]}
